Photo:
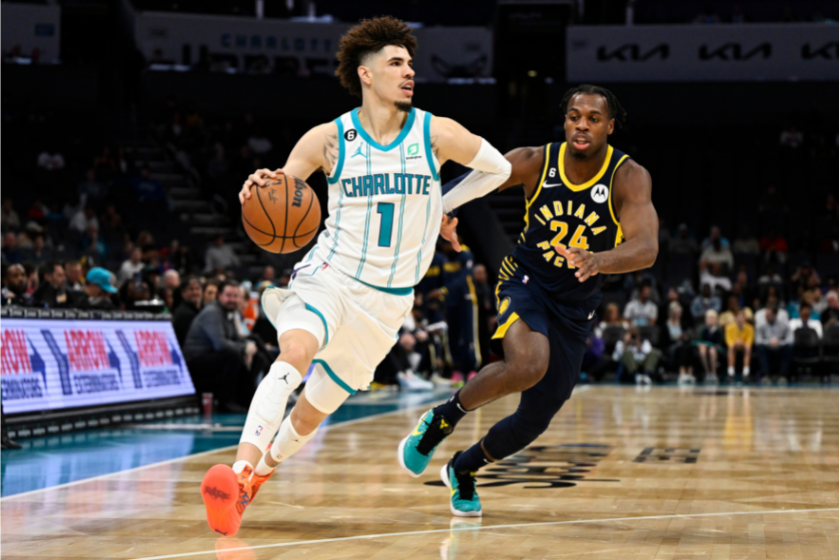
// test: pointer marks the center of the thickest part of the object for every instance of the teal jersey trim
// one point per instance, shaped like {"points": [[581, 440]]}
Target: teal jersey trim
{"points": [[427, 125], [367, 224], [323, 320], [392, 291], [334, 377], [409, 122], [423, 244], [400, 225], [340, 163]]}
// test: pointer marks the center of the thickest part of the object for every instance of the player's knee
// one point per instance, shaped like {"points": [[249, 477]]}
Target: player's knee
{"points": [[527, 369], [296, 349]]}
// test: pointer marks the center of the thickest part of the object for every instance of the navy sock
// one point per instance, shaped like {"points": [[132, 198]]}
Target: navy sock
{"points": [[452, 409], [471, 460]]}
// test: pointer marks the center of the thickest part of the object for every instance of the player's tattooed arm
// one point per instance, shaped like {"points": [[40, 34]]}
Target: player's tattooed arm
{"points": [[317, 149], [330, 151], [526, 166], [639, 224]]}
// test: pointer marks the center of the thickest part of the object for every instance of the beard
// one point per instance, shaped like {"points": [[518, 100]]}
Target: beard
{"points": [[577, 155], [404, 106]]}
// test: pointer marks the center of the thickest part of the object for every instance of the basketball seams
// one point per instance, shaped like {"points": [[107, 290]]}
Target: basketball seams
{"points": [[286, 221], [300, 223], [267, 215]]}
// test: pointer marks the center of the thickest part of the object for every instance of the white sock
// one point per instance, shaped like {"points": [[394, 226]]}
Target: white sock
{"points": [[746, 370], [730, 370], [240, 465], [262, 467], [269, 404], [288, 441]]}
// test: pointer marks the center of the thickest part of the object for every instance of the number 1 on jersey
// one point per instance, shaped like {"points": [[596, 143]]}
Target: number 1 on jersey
{"points": [[386, 228]]}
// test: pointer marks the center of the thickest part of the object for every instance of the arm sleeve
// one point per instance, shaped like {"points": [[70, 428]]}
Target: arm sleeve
{"points": [[491, 169]]}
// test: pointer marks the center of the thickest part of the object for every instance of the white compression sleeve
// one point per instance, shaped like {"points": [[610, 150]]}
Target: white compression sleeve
{"points": [[269, 404], [288, 441], [491, 169]]}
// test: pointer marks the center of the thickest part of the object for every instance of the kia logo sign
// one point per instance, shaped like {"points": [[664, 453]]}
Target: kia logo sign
{"points": [[633, 52], [734, 51], [827, 51]]}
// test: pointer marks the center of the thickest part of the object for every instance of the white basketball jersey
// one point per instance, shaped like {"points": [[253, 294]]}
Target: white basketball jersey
{"points": [[385, 205]]}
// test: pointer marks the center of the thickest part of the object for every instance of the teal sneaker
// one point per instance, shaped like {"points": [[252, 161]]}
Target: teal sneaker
{"points": [[417, 448], [463, 498]]}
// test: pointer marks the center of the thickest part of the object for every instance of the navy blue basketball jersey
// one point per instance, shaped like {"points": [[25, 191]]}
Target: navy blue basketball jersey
{"points": [[562, 213]]}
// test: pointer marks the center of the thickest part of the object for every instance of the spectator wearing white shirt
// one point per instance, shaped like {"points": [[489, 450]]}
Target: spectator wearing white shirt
{"points": [[636, 356], [805, 320], [642, 312], [714, 277], [774, 339], [761, 314], [83, 220], [130, 266]]}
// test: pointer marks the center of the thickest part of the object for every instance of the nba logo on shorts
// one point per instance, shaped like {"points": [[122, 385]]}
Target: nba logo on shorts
{"points": [[259, 429]]}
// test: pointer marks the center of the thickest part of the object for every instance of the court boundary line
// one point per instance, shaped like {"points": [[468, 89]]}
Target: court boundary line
{"points": [[481, 528], [191, 456]]}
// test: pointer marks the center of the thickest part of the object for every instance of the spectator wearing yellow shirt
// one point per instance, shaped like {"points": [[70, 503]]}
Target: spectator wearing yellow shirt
{"points": [[739, 338]]}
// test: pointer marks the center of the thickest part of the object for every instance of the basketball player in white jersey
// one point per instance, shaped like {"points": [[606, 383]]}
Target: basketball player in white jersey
{"points": [[351, 293]]}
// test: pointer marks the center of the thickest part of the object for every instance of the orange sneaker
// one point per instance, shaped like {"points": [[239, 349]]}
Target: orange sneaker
{"points": [[257, 481], [226, 494]]}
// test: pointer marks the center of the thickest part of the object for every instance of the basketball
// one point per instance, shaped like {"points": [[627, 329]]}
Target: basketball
{"points": [[282, 216]]}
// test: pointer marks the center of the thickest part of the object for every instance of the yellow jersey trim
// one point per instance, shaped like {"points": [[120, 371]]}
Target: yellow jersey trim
{"points": [[500, 332], [619, 234], [529, 201], [577, 188]]}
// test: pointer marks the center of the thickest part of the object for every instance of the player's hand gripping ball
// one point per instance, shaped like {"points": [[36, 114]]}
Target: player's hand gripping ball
{"points": [[282, 214]]}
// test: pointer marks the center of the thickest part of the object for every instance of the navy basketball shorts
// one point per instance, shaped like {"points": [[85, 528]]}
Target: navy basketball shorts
{"points": [[567, 326]]}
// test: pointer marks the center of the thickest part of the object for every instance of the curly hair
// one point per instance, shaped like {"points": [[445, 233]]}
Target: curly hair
{"points": [[617, 112], [369, 37]]}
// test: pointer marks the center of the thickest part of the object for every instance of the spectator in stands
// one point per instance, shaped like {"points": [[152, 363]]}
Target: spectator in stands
{"points": [[774, 245], [712, 273], [744, 291], [806, 319], [9, 218], [169, 291], [91, 190], [678, 342], [219, 256], [136, 291], [210, 292], [704, 302], [112, 224], [268, 274], [739, 340], [218, 359], [26, 239], [805, 276], [830, 315], [129, 268], [14, 285], [774, 339], [636, 357], [641, 312], [51, 161], [92, 246], [73, 270], [53, 292], [771, 303], [148, 189], [190, 306], [732, 309], [709, 344], [714, 235], [804, 297], [673, 296], [683, 243], [11, 254], [38, 253], [98, 288], [83, 220], [746, 243]]}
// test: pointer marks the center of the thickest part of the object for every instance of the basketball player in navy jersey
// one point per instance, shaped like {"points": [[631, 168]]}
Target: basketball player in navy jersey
{"points": [[588, 214]]}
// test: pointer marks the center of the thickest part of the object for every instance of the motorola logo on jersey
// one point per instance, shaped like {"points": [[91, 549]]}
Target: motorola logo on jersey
{"points": [[600, 193], [350, 135]]}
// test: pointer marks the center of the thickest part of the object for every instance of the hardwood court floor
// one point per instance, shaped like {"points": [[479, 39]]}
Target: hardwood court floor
{"points": [[664, 474]]}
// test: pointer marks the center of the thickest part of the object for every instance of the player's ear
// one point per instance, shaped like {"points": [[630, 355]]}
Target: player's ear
{"points": [[365, 75], [611, 127]]}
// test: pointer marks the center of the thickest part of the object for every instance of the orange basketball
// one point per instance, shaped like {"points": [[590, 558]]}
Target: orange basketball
{"points": [[282, 216]]}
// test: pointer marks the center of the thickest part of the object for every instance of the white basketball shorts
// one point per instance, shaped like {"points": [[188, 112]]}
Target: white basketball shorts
{"points": [[355, 324]]}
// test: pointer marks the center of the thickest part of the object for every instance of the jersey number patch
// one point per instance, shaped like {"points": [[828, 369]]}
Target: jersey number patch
{"points": [[386, 227], [578, 240]]}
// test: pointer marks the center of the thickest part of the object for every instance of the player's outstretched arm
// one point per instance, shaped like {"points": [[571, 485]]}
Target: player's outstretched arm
{"points": [[639, 224], [317, 149], [451, 141]]}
